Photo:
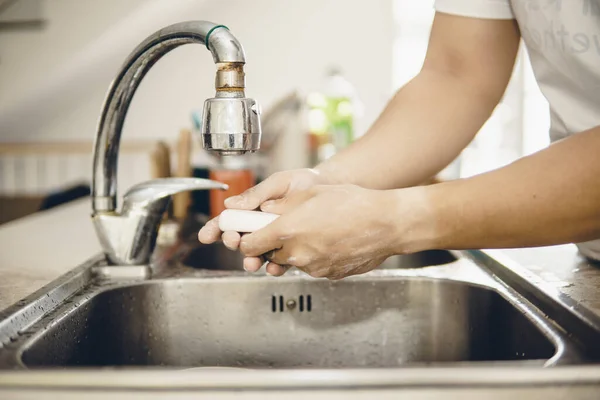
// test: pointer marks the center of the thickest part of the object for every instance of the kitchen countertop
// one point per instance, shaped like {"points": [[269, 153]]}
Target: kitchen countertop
{"points": [[39, 248], [563, 268]]}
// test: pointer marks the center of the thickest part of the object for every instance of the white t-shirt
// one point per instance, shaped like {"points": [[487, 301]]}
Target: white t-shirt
{"points": [[563, 41]]}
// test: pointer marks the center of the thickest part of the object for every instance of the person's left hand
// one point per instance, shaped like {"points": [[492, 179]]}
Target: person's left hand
{"points": [[328, 231]]}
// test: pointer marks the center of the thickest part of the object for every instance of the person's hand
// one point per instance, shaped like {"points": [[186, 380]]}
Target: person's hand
{"points": [[333, 231], [273, 189]]}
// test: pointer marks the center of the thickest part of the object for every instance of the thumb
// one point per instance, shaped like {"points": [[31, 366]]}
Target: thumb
{"points": [[271, 188]]}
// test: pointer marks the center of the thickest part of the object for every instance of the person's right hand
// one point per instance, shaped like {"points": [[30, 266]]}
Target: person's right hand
{"points": [[272, 191]]}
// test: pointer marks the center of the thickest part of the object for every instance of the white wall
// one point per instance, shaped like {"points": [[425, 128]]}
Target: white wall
{"points": [[52, 84], [29, 58]]}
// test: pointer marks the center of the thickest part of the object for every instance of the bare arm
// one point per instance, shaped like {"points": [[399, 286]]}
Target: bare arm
{"points": [[431, 119], [550, 197]]}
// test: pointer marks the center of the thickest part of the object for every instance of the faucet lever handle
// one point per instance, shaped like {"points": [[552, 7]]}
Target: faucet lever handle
{"points": [[153, 195]]}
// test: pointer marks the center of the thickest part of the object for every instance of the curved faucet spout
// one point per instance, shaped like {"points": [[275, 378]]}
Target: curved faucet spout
{"points": [[229, 56]]}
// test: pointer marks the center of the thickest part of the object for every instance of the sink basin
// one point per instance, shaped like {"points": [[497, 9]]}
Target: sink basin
{"points": [[419, 260], [217, 256], [290, 322]]}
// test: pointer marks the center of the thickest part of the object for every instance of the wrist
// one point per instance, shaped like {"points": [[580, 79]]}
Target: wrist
{"points": [[329, 173], [413, 220]]}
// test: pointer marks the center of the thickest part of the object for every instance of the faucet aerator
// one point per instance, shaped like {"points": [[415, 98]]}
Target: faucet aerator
{"points": [[231, 126]]}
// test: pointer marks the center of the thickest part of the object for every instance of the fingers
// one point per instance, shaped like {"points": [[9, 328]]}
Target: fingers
{"points": [[287, 203], [252, 264], [261, 241], [271, 188], [231, 240], [276, 269], [281, 257], [210, 232]]}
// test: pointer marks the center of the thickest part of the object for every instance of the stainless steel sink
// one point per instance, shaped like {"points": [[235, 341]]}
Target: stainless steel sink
{"points": [[434, 307], [291, 323]]}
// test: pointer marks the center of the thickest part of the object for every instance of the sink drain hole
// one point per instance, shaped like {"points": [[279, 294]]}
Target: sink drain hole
{"points": [[308, 303], [301, 303], [275, 301]]}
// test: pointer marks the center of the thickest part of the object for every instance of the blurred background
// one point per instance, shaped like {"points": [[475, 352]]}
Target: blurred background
{"points": [[321, 69]]}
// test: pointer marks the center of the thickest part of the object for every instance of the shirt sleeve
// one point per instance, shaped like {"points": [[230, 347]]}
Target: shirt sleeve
{"points": [[491, 9]]}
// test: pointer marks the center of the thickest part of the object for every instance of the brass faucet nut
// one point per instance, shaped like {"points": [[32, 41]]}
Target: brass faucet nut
{"points": [[230, 76]]}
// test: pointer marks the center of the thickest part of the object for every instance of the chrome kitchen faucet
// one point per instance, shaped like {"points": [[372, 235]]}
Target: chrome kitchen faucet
{"points": [[230, 126]]}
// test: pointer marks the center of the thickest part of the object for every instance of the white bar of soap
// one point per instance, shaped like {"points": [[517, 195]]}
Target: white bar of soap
{"points": [[244, 221]]}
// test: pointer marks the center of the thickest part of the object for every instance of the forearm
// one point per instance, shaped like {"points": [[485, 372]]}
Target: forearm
{"points": [[551, 197], [424, 127]]}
